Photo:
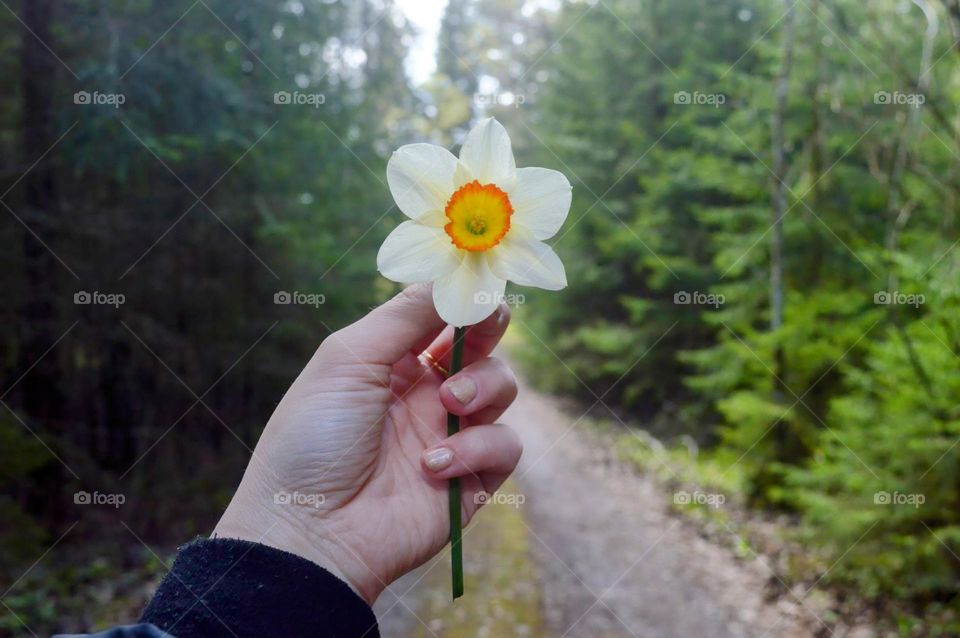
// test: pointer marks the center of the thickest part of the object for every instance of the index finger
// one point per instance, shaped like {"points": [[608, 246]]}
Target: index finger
{"points": [[393, 329]]}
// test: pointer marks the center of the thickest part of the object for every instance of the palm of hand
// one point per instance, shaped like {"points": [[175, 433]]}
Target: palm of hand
{"points": [[379, 484]]}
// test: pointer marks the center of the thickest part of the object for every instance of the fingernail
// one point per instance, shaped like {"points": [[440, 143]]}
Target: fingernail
{"points": [[463, 388], [438, 459]]}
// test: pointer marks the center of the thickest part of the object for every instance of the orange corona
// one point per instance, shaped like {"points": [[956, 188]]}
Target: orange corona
{"points": [[479, 216]]}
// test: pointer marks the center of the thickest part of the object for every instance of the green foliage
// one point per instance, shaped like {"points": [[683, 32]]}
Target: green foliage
{"points": [[890, 462], [847, 396]]}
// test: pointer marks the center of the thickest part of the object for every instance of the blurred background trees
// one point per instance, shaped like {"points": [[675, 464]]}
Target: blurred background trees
{"points": [[760, 251], [703, 140], [198, 199]]}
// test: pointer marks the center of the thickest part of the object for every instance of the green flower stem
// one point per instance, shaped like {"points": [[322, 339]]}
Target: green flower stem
{"points": [[453, 426]]}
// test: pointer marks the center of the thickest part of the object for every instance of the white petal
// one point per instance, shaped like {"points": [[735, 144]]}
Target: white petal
{"points": [[435, 219], [421, 177], [413, 253], [469, 294], [488, 155], [541, 200], [462, 175], [528, 262]]}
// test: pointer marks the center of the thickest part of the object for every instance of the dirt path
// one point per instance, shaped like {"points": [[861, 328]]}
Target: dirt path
{"points": [[592, 551]]}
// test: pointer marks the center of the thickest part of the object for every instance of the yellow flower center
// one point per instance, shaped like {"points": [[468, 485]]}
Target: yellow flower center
{"points": [[479, 216]]}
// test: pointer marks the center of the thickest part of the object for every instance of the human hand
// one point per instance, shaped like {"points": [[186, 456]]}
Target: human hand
{"points": [[359, 441]]}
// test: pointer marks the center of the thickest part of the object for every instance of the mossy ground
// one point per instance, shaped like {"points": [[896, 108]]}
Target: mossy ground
{"points": [[502, 591]]}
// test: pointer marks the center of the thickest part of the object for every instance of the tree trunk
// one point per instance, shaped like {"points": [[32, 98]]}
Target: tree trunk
{"points": [[40, 391], [898, 213], [777, 211], [817, 147], [40, 394]]}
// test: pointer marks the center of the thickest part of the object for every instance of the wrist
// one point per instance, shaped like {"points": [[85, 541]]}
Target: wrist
{"points": [[303, 533]]}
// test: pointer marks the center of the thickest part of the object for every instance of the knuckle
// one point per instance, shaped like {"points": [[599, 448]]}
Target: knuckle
{"points": [[483, 451], [512, 384], [515, 444], [411, 293], [511, 435], [478, 447], [398, 307], [519, 449], [507, 376], [500, 365], [331, 348]]}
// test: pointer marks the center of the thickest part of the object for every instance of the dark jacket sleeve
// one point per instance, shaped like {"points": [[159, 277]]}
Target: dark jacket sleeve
{"points": [[233, 588], [238, 589]]}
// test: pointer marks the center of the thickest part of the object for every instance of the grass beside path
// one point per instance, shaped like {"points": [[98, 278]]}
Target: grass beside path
{"points": [[502, 592]]}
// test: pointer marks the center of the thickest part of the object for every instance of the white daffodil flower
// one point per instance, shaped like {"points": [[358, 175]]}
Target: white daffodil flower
{"points": [[475, 223]]}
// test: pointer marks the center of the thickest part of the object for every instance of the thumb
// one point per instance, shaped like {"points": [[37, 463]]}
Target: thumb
{"points": [[391, 330]]}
